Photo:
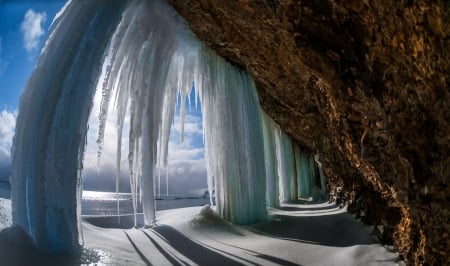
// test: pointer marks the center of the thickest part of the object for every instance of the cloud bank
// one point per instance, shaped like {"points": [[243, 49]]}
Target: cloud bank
{"points": [[7, 125], [32, 28], [186, 163]]}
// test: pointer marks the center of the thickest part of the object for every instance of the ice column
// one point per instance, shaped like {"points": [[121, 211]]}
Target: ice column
{"points": [[290, 173], [271, 162], [52, 124], [304, 174], [234, 143], [286, 167]]}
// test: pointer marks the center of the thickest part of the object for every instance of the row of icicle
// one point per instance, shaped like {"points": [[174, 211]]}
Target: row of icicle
{"points": [[149, 57], [153, 58]]}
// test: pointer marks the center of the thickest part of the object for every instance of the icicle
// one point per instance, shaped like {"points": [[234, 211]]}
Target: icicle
{"points": [[150, 57], [135, 185], [119, 145], [107, 89], [167, 181], [159, 181]]}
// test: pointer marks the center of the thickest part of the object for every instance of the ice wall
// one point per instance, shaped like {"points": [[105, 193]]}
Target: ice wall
{"points": [[52, 123], [291, 174], [271, 162], [141, 55], [286, 167], [234, 144]]}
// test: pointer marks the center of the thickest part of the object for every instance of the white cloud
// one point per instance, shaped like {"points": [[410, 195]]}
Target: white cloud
{"points": [[179, 152], [108, 158], [5, 157], [7, 125], [192, 125], [186, 164], [32, 28]]}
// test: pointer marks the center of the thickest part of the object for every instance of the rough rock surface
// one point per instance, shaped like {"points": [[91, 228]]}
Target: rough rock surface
{"points": [[365, 84]]}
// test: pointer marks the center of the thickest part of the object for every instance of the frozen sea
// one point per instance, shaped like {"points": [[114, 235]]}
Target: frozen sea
{"points": [[105, 203]]}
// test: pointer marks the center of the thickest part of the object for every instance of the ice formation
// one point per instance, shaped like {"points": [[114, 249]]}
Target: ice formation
{"points": [[143, 56], [51, 127]]}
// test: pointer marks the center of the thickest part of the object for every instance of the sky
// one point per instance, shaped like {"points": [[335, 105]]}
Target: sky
{"points": [[24, 26]]}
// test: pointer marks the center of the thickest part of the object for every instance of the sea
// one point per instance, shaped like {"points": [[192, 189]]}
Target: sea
{"points": [[112, 203], [101, 203]]}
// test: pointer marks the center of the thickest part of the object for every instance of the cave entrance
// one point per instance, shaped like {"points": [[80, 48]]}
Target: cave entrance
{"points": [[143, 51], [182, 183]]}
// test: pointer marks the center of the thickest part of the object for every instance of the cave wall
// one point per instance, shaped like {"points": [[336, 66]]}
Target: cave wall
{"points": [[366, 85]]}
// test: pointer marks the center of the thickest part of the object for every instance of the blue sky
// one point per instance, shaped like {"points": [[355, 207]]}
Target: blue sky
{"points": [[24, 26]]}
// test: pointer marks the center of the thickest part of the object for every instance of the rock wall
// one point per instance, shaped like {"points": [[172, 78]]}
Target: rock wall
{"points": [[365, 84]]}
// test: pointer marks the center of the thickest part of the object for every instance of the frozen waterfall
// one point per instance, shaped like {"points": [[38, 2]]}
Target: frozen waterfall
{"points": [[143, 56], [51, 126]]}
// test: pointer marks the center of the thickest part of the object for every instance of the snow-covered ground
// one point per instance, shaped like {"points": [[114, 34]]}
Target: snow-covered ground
{"points": [[317, 234], [5, 205], [5, 213]]}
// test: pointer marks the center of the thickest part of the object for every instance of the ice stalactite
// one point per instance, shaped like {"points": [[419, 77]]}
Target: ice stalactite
{"points": [[153, 59], [149, 57], [168, 63]]}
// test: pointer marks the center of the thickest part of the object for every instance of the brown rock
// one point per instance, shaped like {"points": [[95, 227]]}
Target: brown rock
{"points": [[365, 83]]}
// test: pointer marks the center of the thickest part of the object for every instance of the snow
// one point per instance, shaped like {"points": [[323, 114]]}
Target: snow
{"points": [[317, 234], [296, 234], [5, 213], [5, 205]]}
